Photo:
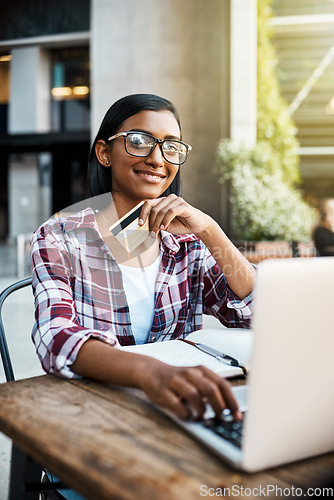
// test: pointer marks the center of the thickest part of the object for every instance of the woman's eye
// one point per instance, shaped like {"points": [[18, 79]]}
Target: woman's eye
{"points": [[139, 141], [171, 148]]}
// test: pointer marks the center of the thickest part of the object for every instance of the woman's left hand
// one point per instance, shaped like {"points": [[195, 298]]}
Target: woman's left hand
{"points": [[174, 215]]}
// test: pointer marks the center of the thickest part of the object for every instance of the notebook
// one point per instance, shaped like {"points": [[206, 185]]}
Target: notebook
{"points": [[235, 342], [288, 400]]}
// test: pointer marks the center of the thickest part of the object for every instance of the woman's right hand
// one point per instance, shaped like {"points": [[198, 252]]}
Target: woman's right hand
{"points": [[185, 391]]}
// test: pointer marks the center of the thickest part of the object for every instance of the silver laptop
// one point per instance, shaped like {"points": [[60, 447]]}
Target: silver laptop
{"points": [[289, 397]]}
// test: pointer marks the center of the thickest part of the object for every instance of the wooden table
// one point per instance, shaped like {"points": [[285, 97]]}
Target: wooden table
{"points": [[109, 443]]}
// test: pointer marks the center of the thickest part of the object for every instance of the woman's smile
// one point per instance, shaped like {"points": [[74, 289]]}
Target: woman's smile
{"points": [[149, 176]]}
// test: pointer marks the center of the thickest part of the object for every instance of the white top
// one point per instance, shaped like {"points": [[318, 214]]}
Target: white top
{"points": [[139, 286]]}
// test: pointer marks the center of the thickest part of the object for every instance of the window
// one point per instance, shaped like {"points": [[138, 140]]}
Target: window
{"points": [[30, 18], [70, 90]]}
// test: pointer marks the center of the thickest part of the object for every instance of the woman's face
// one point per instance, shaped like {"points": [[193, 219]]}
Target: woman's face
{"points": [[140, 178]]}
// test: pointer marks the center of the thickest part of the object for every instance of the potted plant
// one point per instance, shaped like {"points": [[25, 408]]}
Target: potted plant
{"points": [[265, 206]]}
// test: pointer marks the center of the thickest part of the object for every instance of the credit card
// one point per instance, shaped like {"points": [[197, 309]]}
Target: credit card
{"points": [[127, 230]]}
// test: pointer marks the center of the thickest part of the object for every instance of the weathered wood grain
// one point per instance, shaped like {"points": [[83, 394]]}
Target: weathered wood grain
{"points": [[110, 443]]}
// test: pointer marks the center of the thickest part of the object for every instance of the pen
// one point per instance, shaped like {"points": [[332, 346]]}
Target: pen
{"points": [[217, 354]]}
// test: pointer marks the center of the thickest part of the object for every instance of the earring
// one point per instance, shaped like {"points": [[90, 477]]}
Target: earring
{"points": [[107, 162]]}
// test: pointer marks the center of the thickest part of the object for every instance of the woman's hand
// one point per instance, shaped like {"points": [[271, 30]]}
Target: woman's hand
{"points": [[175, 215], [184, 391]]}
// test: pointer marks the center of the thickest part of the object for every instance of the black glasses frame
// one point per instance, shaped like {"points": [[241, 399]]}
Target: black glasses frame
{"points": [[156, 141]]}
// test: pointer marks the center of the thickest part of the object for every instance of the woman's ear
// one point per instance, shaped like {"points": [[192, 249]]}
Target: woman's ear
{"points": [[102, 151]]}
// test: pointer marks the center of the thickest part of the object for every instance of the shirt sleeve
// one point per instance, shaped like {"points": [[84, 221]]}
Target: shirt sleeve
{"points": [[220, 301], [57, 333]]}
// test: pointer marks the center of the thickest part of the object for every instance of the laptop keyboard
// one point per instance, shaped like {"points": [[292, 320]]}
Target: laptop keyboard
{"points": [[226, 428]]}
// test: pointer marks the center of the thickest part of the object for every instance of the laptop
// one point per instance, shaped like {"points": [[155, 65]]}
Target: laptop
{"points": [[288, 401]]}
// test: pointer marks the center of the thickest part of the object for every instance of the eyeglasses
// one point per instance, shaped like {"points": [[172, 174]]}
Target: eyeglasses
{"points": [[142, 144]]}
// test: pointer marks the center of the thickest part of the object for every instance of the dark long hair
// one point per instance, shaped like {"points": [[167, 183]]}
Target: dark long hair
{"points": [[98, 176]]}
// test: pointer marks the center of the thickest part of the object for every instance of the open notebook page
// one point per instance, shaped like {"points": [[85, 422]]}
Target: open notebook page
{"points": [[237, 343]]}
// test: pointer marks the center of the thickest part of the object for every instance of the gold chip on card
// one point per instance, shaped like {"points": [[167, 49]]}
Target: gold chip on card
{"points": [[127, 230]]}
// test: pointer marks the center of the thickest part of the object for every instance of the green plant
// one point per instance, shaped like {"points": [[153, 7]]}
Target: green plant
{"points": [[274, 122], [266, 204]]}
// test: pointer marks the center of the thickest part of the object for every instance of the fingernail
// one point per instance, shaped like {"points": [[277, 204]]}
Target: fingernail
{"points": [[238, 415], [153, 235], [162, 226], [140, 222]]}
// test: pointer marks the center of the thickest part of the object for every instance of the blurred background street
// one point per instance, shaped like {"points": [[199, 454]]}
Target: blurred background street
{"points": [[8, 259]]}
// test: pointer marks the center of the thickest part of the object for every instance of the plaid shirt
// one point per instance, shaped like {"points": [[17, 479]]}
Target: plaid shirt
{"points": [[79, 293]]}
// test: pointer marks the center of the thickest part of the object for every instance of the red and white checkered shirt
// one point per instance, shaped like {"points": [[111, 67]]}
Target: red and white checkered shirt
{"points": [[79, 292]]}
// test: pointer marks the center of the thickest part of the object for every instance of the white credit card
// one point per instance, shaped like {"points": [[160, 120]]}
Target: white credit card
{"points": [[127, 230]]}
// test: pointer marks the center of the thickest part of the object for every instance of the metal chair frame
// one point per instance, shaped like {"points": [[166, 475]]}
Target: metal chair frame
{"points": [[7, 364], [25, 474]]}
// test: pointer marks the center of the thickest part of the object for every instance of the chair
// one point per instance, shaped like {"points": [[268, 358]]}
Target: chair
{"points": [[26, 474], [7, 364]]}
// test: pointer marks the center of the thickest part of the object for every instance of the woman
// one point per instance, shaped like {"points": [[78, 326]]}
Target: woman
{"points": [[84, 280], [323, 234]]}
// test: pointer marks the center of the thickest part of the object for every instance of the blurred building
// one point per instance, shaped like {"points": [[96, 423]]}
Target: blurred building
{"points": [[44, 109], [304, 39], [64, 62]]}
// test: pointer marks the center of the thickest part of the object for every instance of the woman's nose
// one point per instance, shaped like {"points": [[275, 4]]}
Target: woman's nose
{"points": [[155, 158]]}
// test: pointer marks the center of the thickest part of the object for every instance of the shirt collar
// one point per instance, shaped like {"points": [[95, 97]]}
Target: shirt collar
{"points": [[85, 219]]}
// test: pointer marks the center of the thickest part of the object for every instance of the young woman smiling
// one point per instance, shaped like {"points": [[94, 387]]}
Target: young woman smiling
{"points": [[92, 296]]}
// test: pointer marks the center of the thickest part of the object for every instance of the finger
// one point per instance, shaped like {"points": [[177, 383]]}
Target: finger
{"points": [[160, 207], [173, 403], [144, 213], [225, 398], [218, 393], [148, 206], [230, 399], [177, 210], [209, 389], [190, 395], [163, 214]]}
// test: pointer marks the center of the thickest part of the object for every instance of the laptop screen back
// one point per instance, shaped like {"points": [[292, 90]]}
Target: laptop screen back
{"points": [[290, 399]]}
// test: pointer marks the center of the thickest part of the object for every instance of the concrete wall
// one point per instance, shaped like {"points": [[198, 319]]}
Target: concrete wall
{"points": [[177, 49], [23, 193], [29, 183], [29, 110], [29, 179]]}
